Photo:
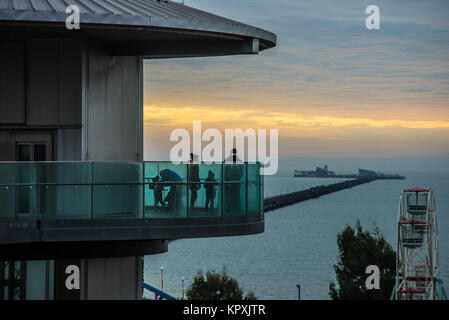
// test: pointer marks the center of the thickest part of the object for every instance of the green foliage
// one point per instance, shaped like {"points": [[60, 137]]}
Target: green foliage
{"points": [[359, 249], [250, 296], [216, 286]]}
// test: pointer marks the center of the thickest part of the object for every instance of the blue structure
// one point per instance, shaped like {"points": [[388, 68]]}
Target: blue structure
{"points": [[161, 294]]}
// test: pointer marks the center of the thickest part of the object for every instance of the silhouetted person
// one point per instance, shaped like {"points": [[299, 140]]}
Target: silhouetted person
{"points": [[194, 176], [174, 194], [233, 157], [233, 175], [157, 188], [173, 198], [210, 189]]}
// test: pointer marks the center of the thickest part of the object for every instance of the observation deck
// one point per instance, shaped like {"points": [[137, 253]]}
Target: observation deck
{"points": [[47, 206]]}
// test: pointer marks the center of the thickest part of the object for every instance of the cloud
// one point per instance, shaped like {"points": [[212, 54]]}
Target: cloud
{"points": [[327, 73], [163, 115]]}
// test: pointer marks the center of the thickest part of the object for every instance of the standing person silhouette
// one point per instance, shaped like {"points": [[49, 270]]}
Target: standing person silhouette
{"points": [[210, 189], [194, 176], [233, 186]]}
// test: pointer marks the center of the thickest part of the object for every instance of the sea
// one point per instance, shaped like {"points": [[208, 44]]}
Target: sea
{"points": [[299, 243]]}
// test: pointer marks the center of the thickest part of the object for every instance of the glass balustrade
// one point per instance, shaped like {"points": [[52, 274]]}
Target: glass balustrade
{"points": [[102, 190]]}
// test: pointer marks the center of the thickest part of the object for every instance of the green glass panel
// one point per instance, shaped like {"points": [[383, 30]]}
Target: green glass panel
{"points": [[235, 172], [26, 190], [64, 201], [205, 201], [154, 195], [165, 200], [165, 190], [204, 172], [165, 172], [253, 172], [234, 199], [204, 189], [8, 172], [117, 172], [25, 201], [253, 198], [17, 173], [170, 172], [117, 201], [64, 173], [7, 200], [261, 194], [25, 173], [234, 193], [17, 202], [151, 171]]}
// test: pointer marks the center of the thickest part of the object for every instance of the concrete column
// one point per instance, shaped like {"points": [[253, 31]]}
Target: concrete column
{"points": [[112, 278], [113, 108], [112, 130]]}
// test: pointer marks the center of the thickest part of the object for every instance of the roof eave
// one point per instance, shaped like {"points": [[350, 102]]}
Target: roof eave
{"points": [[218, 29]]}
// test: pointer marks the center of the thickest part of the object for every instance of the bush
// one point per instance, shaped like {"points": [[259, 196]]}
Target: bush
{"points": [[359, 249], [216, 286]]}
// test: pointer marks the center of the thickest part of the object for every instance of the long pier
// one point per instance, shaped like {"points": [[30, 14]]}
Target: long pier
{"points": [[287, 199]]}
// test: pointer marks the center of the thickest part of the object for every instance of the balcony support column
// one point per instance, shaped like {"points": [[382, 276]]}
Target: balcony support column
{"points": [[112, 278]]}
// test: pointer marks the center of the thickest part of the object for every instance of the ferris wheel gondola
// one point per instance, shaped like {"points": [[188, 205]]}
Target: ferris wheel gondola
{"points": [[417, 261]]}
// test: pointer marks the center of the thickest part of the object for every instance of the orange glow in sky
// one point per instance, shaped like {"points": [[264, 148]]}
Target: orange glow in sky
{"points": [[331, 87]]}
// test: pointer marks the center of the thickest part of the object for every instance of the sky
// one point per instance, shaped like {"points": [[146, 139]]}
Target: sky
{"points": [[331, 87]]}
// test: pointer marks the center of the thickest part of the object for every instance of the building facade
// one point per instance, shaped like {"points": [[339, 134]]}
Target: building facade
{"points": [[74, 189]]}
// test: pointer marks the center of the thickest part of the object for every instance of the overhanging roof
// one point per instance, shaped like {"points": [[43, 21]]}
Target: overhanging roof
{"points": [[141, 24]]}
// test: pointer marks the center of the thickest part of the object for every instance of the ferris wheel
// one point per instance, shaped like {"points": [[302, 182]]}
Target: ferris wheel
{"points": [[417, 263]]}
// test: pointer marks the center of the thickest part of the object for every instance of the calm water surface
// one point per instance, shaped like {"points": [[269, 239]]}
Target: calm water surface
{"points": [[299, 242]]}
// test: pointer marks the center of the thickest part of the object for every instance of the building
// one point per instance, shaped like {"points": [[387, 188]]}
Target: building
{"points": [[74, 189], [318, 173], [367, 173]]}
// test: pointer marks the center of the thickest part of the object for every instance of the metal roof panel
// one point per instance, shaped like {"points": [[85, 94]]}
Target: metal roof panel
{"points": [[139, 15]]}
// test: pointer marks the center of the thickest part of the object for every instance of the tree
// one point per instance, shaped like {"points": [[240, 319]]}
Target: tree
{"points": [[359, 249], [216, 286]]}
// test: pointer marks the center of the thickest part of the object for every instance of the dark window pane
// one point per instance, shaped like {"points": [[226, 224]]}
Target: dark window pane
{"points": [[23, 152], [40, 152]]}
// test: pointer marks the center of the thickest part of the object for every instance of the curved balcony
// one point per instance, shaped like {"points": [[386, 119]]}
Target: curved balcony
{"points": [[50, 203]]}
